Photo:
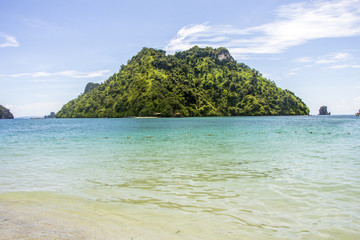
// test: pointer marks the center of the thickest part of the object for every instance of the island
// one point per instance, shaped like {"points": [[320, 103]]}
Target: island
{"points": [[323, 111], [5, 113], [193, 83], [52, 115]]}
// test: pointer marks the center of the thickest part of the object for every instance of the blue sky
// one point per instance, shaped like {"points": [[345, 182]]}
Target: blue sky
{"points": [[49, 50]]}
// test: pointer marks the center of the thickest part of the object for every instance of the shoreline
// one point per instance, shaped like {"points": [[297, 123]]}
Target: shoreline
{"points": [[132, 117], [145, 117], [49, 215]]}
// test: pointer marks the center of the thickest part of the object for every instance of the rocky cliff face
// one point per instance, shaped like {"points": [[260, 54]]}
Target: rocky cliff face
{"points": [[5, 113], [224, 55], [323, 111]]}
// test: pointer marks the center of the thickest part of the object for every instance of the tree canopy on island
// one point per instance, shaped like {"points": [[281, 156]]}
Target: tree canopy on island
{"points": [[196, 82], [90, 86], [5, 113]]}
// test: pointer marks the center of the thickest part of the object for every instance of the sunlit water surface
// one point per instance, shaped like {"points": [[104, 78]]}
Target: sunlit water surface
{"points": [[187, 178]]}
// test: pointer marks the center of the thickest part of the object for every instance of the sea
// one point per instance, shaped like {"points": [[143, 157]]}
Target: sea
{"points": [[283, 177]]}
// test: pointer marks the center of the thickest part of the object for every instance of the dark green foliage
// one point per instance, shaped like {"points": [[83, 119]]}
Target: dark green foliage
{"points": [[5, 113], [196, 82]]}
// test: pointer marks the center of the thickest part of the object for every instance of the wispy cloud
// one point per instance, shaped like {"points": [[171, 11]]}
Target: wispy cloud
{"points": [[68, 74], [334, 58], [303, 60], [8, 41], [295, 25], [341, 66], [295, 70], [39, 24], [338, 60], [46, 80], [329, 58]]}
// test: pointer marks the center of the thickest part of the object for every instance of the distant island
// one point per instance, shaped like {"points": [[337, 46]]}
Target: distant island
{"points": [[196, 82], [52, 115], [323, 111], [5, 113]]}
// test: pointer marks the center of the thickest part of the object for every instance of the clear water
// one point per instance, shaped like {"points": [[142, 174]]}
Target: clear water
{"points": [[188, 178]]}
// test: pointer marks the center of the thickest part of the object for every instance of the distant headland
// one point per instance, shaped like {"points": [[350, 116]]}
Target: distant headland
{"points": [[196, 82], [5, 113], [52, 115]]}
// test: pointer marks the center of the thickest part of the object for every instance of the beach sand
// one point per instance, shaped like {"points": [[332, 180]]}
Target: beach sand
{"points": [[43, 216], [36, 216], [36, 221]]}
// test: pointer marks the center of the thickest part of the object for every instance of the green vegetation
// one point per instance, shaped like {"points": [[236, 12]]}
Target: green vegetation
{"points": [[5, 113], [90, 86], [196, 82]]}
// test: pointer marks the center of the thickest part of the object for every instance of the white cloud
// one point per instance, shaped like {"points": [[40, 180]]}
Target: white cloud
{"points": [[341, 66], [340, 59], [68, 73], [334, 58], [303, 60], [295, 25], [9, 106], [34, 109], [10, 41], [46, 80], [294, 71], [329, 58]]}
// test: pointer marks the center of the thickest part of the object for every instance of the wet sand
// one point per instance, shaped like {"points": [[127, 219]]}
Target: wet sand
{"points": [[34, 221], [43, 216], [40, 216]]}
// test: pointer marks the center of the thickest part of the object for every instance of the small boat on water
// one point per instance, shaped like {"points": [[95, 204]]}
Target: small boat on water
{"points": [[358, 113]]}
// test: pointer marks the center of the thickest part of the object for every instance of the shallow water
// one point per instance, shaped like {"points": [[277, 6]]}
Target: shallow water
{"points": [[188, 178]]}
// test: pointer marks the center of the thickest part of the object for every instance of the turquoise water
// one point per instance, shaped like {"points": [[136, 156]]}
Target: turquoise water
{"points": [[187, 178]]}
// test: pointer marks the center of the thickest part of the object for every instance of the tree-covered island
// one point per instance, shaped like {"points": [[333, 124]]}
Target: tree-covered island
{"points": [[5, 113], [196, 82]]}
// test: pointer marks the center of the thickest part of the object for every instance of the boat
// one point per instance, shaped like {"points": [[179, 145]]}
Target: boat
{"points": [[358, 113]]}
